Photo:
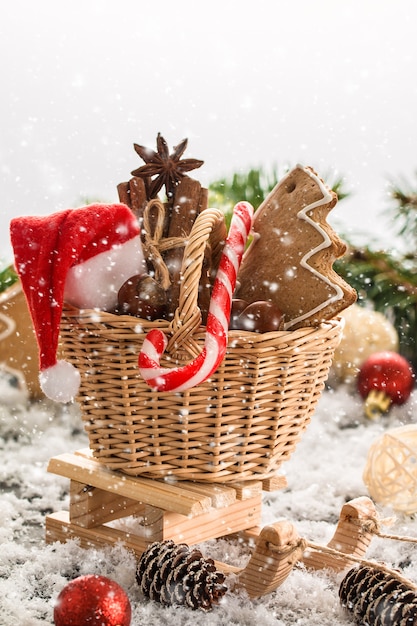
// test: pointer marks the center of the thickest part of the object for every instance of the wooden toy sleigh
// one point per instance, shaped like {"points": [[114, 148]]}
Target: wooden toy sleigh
{"points": [[193, 465], [107, 507]]}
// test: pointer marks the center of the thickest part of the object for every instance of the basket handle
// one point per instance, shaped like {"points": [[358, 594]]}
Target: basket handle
{"points": [[215, 344], [187, 316]]}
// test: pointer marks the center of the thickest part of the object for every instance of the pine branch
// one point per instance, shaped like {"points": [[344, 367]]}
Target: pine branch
{"points": [[392, 273], [8, 277], [404, 212], [254, 185], [390, 284]]}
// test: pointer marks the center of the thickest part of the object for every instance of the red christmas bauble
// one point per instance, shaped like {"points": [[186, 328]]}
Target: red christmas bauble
{"points": [[388, 372], [94, 600]]}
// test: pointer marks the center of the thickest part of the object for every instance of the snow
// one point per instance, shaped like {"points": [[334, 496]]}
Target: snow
{"points": [[324, 472]]}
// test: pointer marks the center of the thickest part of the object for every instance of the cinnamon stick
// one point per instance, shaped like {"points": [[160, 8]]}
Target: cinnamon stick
{"points": [[133, 193], [124, 193], [138, 196]]}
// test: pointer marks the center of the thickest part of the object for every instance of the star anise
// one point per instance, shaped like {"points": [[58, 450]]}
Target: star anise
{"points": [[163, 168]]}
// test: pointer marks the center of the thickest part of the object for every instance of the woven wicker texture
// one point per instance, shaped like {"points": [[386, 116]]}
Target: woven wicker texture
{"points": [[391, 472], [242, 423]]}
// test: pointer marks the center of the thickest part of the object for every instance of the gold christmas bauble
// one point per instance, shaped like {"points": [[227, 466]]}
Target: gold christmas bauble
{"points": [[365, 332], [391, 469]]}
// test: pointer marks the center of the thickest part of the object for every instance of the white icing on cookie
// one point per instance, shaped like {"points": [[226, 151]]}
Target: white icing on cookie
{"points": [[326, 243]]}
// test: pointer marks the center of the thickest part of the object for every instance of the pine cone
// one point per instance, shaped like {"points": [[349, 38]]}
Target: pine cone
{"points": [[375, 596], [175, 574]]}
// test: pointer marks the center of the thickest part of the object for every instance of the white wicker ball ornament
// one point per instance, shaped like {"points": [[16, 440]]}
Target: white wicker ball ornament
{"points": [[365, 332], [391, 469]]}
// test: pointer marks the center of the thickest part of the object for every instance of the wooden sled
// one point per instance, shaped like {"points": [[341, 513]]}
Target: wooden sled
{"points": [[107, 507]]}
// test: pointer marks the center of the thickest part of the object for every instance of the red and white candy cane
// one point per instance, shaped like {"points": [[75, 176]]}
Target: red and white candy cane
{"points": [[215, 343]]}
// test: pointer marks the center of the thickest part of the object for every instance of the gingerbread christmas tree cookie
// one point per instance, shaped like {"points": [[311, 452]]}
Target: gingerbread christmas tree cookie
{"points": [[290, 260]]}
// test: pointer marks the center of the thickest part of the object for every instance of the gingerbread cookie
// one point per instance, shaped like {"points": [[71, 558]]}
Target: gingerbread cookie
{"points": [[290, 259]]}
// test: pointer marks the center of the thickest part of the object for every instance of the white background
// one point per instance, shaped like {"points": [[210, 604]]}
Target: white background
{"points": [[329, 84]]}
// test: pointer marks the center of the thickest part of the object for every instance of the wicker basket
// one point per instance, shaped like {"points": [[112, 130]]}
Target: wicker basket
{"points": [[241, 424]]}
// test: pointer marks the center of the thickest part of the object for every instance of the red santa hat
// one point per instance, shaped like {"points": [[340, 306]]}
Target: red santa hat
{"points": [[46, 249]]}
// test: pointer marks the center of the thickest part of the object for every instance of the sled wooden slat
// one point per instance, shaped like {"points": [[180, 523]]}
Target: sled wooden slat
{"points": [[145, 490]]}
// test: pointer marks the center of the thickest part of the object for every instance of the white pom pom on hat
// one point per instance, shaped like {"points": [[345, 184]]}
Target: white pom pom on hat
{"points": [[45, 249], [60, 382]]}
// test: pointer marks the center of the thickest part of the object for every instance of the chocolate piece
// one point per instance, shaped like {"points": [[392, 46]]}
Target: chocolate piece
{"points": [[141, 296], [238, 306]]}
